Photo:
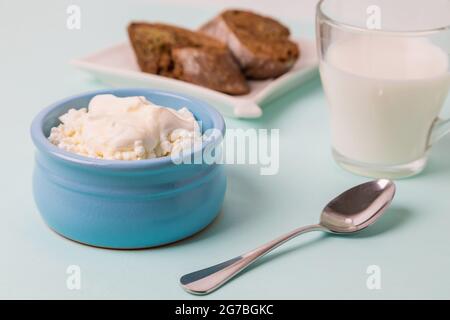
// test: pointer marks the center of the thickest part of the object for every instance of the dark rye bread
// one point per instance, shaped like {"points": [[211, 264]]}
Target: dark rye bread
{"points": [[260, 44], [185, 55]]}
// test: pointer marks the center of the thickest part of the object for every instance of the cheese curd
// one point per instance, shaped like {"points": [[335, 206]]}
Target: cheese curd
{"points": [[129, 128]]}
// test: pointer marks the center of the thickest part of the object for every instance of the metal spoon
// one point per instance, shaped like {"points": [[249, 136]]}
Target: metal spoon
{"points": [[352, 211]]}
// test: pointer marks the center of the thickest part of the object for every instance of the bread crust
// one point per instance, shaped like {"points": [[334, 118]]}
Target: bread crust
{"points": [[260, 44]]}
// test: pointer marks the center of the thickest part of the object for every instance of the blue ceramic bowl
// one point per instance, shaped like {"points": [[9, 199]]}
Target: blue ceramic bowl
{"points": [[125, 204]]}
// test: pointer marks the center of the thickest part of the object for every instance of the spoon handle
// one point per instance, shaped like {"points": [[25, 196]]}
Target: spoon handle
{"points": [[207, 280]]}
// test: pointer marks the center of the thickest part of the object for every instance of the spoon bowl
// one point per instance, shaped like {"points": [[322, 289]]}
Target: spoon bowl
{"points": [[358, 207]]}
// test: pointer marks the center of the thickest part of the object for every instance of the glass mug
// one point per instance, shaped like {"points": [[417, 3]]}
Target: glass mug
{"points": [[384, 67]]}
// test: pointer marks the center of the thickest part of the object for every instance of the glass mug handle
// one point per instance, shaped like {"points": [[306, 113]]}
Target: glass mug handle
{"points": [[441, 128]]}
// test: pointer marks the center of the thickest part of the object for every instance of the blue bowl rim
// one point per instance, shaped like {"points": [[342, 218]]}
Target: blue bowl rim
{"points": [[44, 145]]}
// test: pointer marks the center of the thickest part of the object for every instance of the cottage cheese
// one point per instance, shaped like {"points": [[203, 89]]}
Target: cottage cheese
{"points": [[128, 128]]}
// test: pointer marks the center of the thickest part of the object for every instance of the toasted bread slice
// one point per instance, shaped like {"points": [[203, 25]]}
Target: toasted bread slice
{"points": [[260, 44], [186, 55]]}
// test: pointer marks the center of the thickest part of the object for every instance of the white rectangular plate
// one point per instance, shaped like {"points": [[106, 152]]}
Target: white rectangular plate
{"points": [[117, 66]]}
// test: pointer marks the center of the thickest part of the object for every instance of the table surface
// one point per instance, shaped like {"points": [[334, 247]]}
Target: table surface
{"points": [[410, 244]]}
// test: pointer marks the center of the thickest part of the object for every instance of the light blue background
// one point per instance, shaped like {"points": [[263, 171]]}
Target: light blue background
{"points": [[411, 244]]}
